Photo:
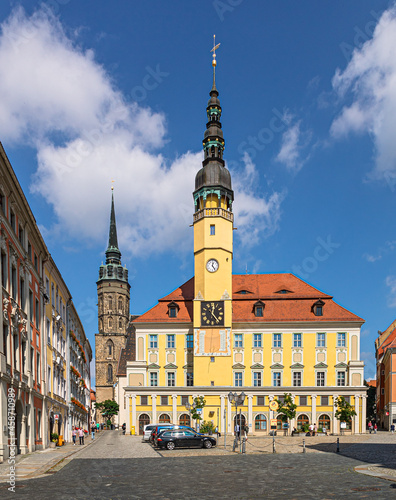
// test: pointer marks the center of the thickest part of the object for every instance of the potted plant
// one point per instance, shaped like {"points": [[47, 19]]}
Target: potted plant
{"points": [[54, 439]]}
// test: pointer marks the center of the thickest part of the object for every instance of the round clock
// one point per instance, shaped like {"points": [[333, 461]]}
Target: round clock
{"points": [[274, 405], [212, 265]]}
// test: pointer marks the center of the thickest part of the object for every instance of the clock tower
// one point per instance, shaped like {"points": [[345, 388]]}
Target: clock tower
{"points": [[213, 228]]}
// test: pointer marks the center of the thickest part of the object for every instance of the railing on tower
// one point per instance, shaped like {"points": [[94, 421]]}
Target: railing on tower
{"points": [[213, 212]]}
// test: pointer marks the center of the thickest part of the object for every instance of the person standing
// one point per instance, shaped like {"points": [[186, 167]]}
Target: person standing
{"points": [[315, 429], [370, 427], [392, 428], [237, 430], [74, 434], [81, 435], [375, 428]]}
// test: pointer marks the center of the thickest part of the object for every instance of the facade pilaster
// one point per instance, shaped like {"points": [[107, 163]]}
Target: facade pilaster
{"points": [[313, 408], [229, 417], [357, 416], [154, 408], [335, 421], [134, 411], [364, 415], [250, 413], [174, 408], [223, 414]]}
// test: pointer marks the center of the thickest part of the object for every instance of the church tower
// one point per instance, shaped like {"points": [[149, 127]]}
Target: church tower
{"points": [[213, 240], [113, 314]]}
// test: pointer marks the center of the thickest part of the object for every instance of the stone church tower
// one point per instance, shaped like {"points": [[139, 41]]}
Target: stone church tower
{"points": [[113, 315]]}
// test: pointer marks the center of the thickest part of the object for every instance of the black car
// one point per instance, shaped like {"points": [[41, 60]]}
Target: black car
{"points": [[183, 438], [166, 427]]}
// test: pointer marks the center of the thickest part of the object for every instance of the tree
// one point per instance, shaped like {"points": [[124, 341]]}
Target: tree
{"points": [[287, 408], [108, 409], [371, 406], [345, 411], [198, 403]]}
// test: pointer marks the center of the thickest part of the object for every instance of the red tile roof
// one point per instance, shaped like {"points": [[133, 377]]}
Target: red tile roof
{"points": [[279, 307]]}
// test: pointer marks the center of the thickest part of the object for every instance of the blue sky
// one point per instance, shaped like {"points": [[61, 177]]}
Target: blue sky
{"points": [[97, 91]]}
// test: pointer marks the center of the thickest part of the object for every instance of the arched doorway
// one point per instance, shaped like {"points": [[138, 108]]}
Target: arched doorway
{"points": [[279, 422], [302, 420], [260, 423], [185, 420], [324, 422], [240, 420], [144, 419], [164, 419]]}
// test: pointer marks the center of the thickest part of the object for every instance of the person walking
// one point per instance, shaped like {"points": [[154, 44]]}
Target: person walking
{"points": [[375, 428], [74, 434], [392, 428], [93, 431], [237, 430], [370, 427], [81, 435], [315, 429]]}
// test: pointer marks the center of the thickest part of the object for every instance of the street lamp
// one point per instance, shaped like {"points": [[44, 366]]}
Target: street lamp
{"points": [[238, 400]]}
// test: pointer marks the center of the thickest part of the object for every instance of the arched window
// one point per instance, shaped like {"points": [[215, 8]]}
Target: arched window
{"points": [[164, 419], [110, 323], [301, 421], [120, 323], [110, 303], [110, 348], [185, 419], [109, 373], [260, 422], [119, 303], [324, 422], [279, 422]]}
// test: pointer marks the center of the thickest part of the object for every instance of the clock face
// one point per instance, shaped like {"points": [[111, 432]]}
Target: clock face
{"points": [[212, 313], [212, 265]]}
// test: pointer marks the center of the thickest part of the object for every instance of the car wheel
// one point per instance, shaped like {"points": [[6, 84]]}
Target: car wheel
{"points": [[170, 445], [208, 444]]}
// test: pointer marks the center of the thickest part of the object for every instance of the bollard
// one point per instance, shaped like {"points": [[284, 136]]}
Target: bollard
{"points": [[273, 445], [304, 446], [244, 445], [338, 445]]}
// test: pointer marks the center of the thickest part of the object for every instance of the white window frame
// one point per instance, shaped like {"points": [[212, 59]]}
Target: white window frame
{"points": [[280, 379], [238, 375], [297, 340], [257, 340], [239, 341], [318, 343], [153, 341], [277, 340]]}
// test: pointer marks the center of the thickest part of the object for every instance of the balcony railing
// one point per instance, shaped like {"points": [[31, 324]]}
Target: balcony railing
{"points": [[213, 212]]}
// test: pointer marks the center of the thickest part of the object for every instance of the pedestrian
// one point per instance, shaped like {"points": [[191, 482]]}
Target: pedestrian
{"points": [[93, 431], [392, 428], [375, 428], [97, 427], [315, 429], [370, 427], [81, 435], [123, 428], [311, 429], [74, 434], [237, 430]]}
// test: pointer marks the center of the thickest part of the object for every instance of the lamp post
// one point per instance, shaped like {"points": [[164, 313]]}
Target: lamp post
{"points": [[190, 407], [237, 400]]}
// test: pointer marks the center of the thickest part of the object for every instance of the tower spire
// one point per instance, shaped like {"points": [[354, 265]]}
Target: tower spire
{"points": [[113, 254], [214, 63]]}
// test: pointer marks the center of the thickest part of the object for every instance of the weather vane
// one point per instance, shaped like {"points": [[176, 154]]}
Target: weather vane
{"points": [[214, 51]]}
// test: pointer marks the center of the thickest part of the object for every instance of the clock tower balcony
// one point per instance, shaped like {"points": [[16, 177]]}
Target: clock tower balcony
{"points": [[213, 212]]}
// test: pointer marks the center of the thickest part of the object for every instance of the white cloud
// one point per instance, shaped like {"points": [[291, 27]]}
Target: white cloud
{"points": [[391, 283], [370, 80], [58, 99], [292, 145], [386, 249]]}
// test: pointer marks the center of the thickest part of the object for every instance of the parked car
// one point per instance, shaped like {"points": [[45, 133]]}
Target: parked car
{"points": [[161, 427], [147, 429], [183, 438]]}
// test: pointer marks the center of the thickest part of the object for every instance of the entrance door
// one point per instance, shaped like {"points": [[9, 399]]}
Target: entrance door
{"points": [[240, 420], [144, 419]]}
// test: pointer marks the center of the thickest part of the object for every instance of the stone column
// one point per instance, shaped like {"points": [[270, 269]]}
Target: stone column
{"points": [[134, 412], [23, 447], [335, 421], [174, 409], [229, 417], [128, 415], [313, 409], [357, 416], [154, 408], [364, 416], [222, 418], [250, 413]]}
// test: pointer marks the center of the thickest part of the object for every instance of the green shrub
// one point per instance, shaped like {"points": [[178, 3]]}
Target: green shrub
{"points": [[54, 437], [207, 427]]}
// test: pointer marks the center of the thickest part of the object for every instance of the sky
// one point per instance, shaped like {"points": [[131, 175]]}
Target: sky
{"points": [[97, 94]]}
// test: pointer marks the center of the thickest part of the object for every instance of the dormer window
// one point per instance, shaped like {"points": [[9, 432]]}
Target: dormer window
{"points": [[173, 309], [258, 309], [283, 291], [243, 292], [317, 308]]}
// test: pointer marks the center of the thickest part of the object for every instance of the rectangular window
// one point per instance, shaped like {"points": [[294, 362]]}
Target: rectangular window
{"points": [[170, 341], [276, 379], [257, 340], [212, 230], [238, 379], [153, 379], [173, 312], [4, 273], [320, 379], [341, 339], [277, 340], [324, 400], [281, 399], [258, 311], [37, 314], [31, 312], [260, 400], [257, 379], [164, 400], [297, 379], [13, 220], [2, 202], [184, 400], [38, 369], [303, 400], [53, 295], [320, 340], [29, 250], [36, 262], [297, 340], [238, 340], [348, 399], [143, 400], [39, 424], [212, 359], [189, 340], [22, 293], [341, 379], [20, 234], [153, 343], [49, 380], [171, 379], [14, 290]]}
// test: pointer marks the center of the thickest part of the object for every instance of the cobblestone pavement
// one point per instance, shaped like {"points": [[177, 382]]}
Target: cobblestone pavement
{"points": [[122, 467]]}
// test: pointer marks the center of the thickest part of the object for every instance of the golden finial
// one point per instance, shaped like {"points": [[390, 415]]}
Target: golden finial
{"points": [[214, 51], [112, 187]]}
